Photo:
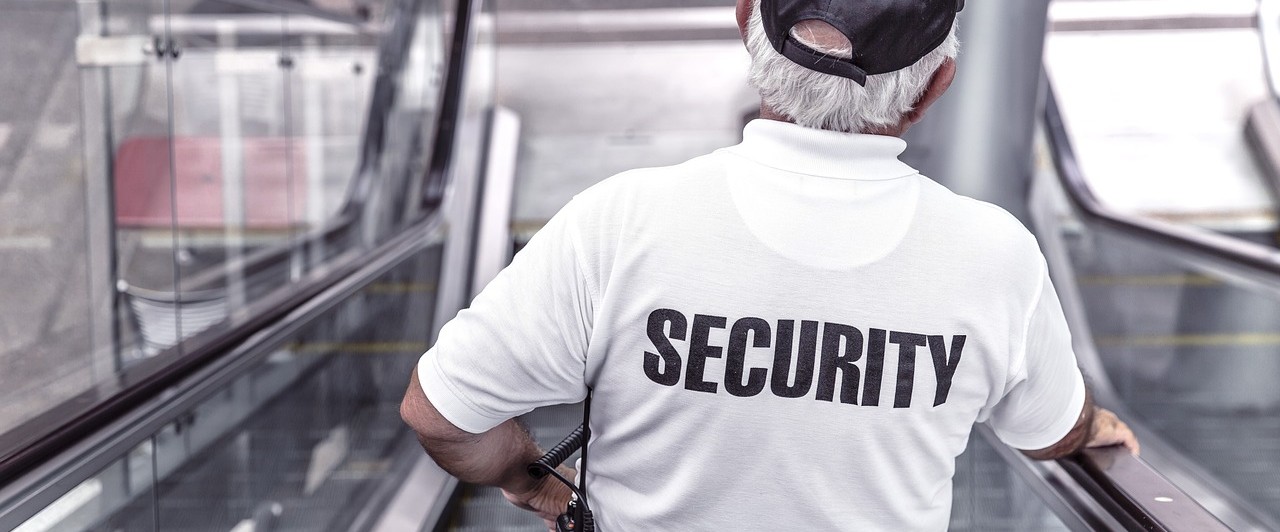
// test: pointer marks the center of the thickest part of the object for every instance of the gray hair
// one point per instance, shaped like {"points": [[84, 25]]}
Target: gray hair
{"points": [[823, 101]]}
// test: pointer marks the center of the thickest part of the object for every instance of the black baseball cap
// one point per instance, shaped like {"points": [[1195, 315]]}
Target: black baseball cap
{"points": [[887, 35]]}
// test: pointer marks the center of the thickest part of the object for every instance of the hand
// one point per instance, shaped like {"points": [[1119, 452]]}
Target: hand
{"points": [[1109, 430], [547, 497]]}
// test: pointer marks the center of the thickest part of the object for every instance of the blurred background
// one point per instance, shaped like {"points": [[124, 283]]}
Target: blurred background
{"points": [[229, 228]]}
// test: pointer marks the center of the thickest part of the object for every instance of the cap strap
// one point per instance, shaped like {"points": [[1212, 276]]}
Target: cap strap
{"points": [[822, 62]]}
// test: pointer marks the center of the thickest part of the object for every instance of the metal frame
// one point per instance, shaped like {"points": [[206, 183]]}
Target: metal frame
{"points": [[1269, 33], [469, 98], [1262, 130], [102, 260], [493, 229]]}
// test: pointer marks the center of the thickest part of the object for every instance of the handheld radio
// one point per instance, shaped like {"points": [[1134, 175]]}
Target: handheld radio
{"points": [[577, 517]]}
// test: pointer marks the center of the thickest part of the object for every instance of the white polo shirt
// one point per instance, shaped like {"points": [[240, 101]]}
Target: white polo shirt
{"points": [[796, 332]]}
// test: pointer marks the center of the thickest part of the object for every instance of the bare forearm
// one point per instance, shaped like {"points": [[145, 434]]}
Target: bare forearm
{"points": [[495, 458]]}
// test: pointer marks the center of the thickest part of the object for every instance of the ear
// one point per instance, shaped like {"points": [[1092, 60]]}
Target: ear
{"points": [[938, 86], [744, 15]]}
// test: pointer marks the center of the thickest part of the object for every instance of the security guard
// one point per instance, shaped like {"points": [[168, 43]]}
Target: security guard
{"points": [[800, 329]]}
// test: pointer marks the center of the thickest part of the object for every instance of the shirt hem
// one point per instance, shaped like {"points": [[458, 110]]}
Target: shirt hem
{"points": [[448, 401], [1058, 430]]}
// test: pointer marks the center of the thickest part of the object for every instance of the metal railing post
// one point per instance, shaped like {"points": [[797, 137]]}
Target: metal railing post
{"points": [[978, 139], [99, 182]]}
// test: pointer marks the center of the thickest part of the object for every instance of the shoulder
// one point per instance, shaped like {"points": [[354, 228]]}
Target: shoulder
{"points": [[977, 224], [986, 242]]}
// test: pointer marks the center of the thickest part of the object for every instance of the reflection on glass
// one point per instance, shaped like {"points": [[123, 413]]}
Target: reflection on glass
{"points": [[988, 495], [182, 161], [123, 487], [137, 111], [298, 442], [1192, 354], [301, 440], [56, 332], [329, 74]]}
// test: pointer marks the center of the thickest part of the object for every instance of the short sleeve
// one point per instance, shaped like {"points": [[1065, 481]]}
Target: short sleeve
{"points": [[522, 344], [1046, 392]]}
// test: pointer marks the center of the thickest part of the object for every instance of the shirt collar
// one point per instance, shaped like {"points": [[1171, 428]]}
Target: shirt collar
{"points": [[819, 152]]}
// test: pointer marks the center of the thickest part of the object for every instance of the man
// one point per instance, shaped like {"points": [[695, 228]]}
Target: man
{"points": [[798, 331]]}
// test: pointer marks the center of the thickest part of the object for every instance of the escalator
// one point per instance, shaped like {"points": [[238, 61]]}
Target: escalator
{"points": [[281, 413], [1175, 325], [290, 421]]}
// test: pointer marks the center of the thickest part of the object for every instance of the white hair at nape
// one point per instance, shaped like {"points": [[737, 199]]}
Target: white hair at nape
{"points": [[823, 101]]}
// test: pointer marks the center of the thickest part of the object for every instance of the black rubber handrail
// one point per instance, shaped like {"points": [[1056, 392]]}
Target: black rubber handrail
{"points": [[57, 430], [1139, 496], [436, 178]]}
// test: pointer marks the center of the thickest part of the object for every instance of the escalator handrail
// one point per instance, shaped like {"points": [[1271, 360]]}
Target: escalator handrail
{"points": [[1136, 493], [1251, 262], [58, 430]]}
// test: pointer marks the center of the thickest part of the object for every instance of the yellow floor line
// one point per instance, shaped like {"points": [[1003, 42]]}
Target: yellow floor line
{"points": [[1149, 280], [400, 288], [1193, 340]]}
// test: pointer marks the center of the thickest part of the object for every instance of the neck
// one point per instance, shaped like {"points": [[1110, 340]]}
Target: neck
{"points": [[897, 130]]}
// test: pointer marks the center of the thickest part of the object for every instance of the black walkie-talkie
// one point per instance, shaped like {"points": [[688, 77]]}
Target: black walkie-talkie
{"points": [[577, 517]]}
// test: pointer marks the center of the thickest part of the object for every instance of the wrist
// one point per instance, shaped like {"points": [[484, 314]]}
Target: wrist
{"points": [[517, 479], [1090, 422], [521, 484]]}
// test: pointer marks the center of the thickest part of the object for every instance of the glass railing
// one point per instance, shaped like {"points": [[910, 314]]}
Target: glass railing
{"points": [[300, 438], [989, 495], [182, 171], [292, 422], [1177, 326]]}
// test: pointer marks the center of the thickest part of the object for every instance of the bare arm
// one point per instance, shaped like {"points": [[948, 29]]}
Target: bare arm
{"points": [[498, 457], [495, 458], [1096, 427]]}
